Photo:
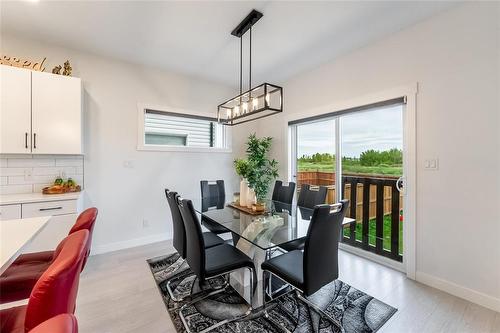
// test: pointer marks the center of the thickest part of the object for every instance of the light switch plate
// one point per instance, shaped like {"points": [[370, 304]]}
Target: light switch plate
{"points": [[431, 164]]}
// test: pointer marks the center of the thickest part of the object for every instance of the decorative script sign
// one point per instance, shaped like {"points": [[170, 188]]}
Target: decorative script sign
{"points": [[16, 62]]}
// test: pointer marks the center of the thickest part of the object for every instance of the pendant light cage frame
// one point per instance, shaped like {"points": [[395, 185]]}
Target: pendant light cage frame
{"points": [[257, 102]]}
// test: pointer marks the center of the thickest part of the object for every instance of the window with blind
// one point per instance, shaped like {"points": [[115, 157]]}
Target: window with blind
{"points": [[169, 129]]}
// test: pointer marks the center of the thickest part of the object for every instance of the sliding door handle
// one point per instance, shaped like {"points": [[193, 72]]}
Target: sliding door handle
{"points": [[26, 140]]}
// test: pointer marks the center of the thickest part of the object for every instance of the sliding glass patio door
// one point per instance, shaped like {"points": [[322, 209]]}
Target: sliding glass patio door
{"points": [[358, 155], [315, 157]]}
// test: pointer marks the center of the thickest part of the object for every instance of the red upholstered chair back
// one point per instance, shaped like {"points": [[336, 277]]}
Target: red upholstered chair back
{"points": [[85, 221], [55, 291], [63, 323]]}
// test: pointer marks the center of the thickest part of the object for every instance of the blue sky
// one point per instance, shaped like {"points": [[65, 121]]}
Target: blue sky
{"points": [[380, 129]]}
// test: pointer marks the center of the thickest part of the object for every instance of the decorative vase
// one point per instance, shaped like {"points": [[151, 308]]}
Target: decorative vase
{"points": [[251, 199], [243, 193], [259, 207]]}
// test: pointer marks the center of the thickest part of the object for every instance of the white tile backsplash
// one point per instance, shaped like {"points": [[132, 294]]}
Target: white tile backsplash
{"points": [[68, 162], [16, 189], [13, 171], [30, 162], [31, 173], [54, 171]]}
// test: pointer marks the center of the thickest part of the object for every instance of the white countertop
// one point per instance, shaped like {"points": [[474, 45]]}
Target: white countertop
{"points": [[15, 235], [11, 199]]}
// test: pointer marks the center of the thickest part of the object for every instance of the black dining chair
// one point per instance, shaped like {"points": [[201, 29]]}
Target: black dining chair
{"points": [[213, 195], [317, 265], [283, 193], [298, 244], [209, 263], [309, 198], [179, 236]]}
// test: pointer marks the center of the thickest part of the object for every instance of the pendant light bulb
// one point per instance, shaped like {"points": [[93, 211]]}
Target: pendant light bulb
{"points": [[255, 103]]}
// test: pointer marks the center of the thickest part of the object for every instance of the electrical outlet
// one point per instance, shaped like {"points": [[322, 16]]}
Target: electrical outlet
{"points": [[62, 174], [128, 164], [28, 175], [145, 223]]}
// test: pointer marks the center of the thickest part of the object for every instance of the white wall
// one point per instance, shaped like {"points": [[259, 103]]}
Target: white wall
{"points": [[455, 58], [126, 196]]}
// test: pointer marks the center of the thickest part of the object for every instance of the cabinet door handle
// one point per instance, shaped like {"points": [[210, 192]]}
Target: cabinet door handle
{"points": [[34, 140], [52, 208], [26, 140]]}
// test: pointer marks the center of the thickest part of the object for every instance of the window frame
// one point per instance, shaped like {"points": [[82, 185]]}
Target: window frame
{"points": [[142, 146]]}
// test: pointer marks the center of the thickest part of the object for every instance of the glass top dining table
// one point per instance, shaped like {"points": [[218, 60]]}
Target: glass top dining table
{"points": [[281, 223]]}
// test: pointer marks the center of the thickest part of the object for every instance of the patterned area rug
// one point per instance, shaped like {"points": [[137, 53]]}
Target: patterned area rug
{"points": [[355, 310]]}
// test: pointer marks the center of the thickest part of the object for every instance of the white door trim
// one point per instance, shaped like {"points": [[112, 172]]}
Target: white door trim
{"points": [[409, 163]]}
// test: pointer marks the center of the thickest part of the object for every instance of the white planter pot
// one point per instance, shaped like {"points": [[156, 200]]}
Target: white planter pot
{"points": [[243, 192]]}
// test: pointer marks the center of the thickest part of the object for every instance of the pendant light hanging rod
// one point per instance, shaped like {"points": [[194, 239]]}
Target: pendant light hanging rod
{"points": [[250, 63], [241, 65]]}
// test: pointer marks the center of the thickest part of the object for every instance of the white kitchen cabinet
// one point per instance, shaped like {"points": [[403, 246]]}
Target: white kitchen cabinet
{"points": [[56, 114], [15, 110], [37, 209], [10, 212], [41, 113]]}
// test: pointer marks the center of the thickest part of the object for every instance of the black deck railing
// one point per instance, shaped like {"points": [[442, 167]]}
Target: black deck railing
{"points": [[378, 247]]}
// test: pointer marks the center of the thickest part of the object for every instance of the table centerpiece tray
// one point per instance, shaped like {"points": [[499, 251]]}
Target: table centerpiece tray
{"points": [[245, 209]]}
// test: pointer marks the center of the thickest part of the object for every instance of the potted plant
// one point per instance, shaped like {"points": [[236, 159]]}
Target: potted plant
{"points": [[241, 167], [261, 171]]}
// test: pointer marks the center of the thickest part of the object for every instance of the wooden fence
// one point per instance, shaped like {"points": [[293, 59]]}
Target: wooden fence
{"points": [[327, 179]]}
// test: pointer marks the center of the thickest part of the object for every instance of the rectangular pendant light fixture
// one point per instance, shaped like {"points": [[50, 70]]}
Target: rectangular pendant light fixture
{"points": [[257, 102]]}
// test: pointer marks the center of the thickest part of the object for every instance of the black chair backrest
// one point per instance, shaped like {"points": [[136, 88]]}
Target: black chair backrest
{"points": [[321, 248], [195, 246], [283, 193], [179, 239], [309, 198], [212, 195]]}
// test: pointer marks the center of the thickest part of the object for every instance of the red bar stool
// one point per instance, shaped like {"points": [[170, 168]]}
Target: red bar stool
{"points": [[63, 323], [56, 290], [18, 280]]}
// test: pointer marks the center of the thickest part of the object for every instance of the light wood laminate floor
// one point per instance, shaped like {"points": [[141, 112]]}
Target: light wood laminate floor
{"points": [[118, 294]]}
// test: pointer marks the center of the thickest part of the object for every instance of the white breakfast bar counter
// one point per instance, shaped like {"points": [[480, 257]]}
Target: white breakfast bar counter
{"points": [[16, 236]]}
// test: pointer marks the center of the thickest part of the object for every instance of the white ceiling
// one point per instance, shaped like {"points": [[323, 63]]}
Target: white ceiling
{"points": [[194, 37]]}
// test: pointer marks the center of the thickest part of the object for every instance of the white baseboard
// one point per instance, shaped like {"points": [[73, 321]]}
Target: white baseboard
{"points": [[99, 249], [459, 291]]}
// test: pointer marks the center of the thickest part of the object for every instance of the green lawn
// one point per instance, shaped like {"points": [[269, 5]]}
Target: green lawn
{"points": [[349, 167], [371, 233]]}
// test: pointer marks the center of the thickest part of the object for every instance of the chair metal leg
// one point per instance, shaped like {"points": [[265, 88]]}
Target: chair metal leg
{"points": [[225, 321], [320, 311], [169, 288], [183, 276], [264, 293], [302, 298]]}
